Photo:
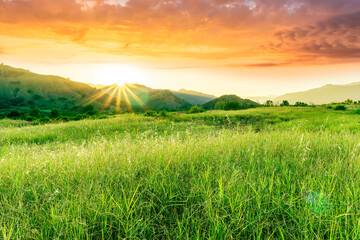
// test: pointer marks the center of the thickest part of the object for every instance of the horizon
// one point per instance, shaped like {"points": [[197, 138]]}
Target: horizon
{"points": [[247, 48], [180, 86]]}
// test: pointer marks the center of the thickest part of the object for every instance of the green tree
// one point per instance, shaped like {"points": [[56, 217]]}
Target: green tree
{"points": [[54, 113], [349, 101], [285, 103], [232, 105], [35, 112], [301, 104], [220, 105], [269, 103], [340, 108], [196, 109], [14, 114]]}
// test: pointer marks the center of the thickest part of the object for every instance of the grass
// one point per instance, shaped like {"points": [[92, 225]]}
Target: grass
{"points": [[184, 177]]}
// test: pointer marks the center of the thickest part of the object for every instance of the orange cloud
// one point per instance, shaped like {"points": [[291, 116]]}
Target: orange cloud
{"points": [[252, 33]]}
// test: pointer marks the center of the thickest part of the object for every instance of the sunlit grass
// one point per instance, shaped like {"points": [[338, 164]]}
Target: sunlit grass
{"points": [[137, 177]]}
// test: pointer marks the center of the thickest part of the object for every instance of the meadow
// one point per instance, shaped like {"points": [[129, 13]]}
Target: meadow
{"points": [[264, 173]]}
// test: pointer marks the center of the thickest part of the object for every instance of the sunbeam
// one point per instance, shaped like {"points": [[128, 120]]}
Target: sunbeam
{"points": [[136, 98], [97, 96], [120, 94], [110, 98], [127, 99], [118, 101]]}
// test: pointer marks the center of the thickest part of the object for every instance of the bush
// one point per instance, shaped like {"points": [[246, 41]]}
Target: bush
{"points": [[45, 120], [14, 114], [301, 104], [357, 111], [220, 105], [340, 108], [285, 103], [29, 119], [151, 114], [36, 97], [163, 114], [63, 118], [196, 109], [54, 113], [35, 112]]}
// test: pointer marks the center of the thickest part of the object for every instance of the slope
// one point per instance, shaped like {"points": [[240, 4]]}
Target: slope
{"points": [[326, 94], [22, 88], [230, 98]]}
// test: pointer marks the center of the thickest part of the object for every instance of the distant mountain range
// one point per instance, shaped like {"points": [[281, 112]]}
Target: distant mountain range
{"points": [[21, 88], [326, 94], [192, 97]]}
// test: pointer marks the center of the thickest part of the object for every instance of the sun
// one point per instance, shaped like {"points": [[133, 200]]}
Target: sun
{"points": [[109, 74]]}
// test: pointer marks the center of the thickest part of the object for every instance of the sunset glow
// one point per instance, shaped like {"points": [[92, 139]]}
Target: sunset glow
{"points": [[140, 40], [118, 74]]}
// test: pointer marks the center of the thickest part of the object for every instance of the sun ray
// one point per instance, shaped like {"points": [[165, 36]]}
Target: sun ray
{"points": [[97, 96], [127, 99], [110, 98], [118, 100], [143, 105], [132, 86]]}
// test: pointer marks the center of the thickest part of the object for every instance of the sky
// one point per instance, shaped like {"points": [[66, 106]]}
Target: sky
{"points": [[244, 47]]}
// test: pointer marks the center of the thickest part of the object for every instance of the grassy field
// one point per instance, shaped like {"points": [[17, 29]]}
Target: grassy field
{"points": [[265, 173]]}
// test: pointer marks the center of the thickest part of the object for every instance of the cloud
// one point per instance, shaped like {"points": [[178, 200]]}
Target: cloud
{"points": [[216, 30], [335, 37]]}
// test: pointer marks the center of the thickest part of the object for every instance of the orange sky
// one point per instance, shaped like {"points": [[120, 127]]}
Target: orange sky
{"points": [[251, 47]]}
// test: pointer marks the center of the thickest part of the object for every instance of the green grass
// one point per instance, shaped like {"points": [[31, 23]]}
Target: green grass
{"points": [[283, 173]]}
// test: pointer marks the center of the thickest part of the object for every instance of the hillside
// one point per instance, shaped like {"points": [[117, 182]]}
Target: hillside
{"points": [[230, 98], [193, 97], [165, 100], [139, 98], [158, 99], [21, 88], [326, 94]]}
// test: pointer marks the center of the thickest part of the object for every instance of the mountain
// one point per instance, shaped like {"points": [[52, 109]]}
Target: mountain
{"points": [[326, 94], [165, 100], [158, 99], [262, 99], [139, 98], [229, 98], [22, 88], [193, 97]]}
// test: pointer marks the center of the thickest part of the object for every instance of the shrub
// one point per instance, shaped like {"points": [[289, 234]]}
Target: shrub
{"points": [[196, 109], [269, 103], [340, 108], [285, 103], [163, 114], [232, 105], [63, 118], [54, 113], [301, 104], [29, 119], [220, 105], [14, 114], [35, 112], [44, 120], [357, 111], [151, 114], [36, 97]]}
